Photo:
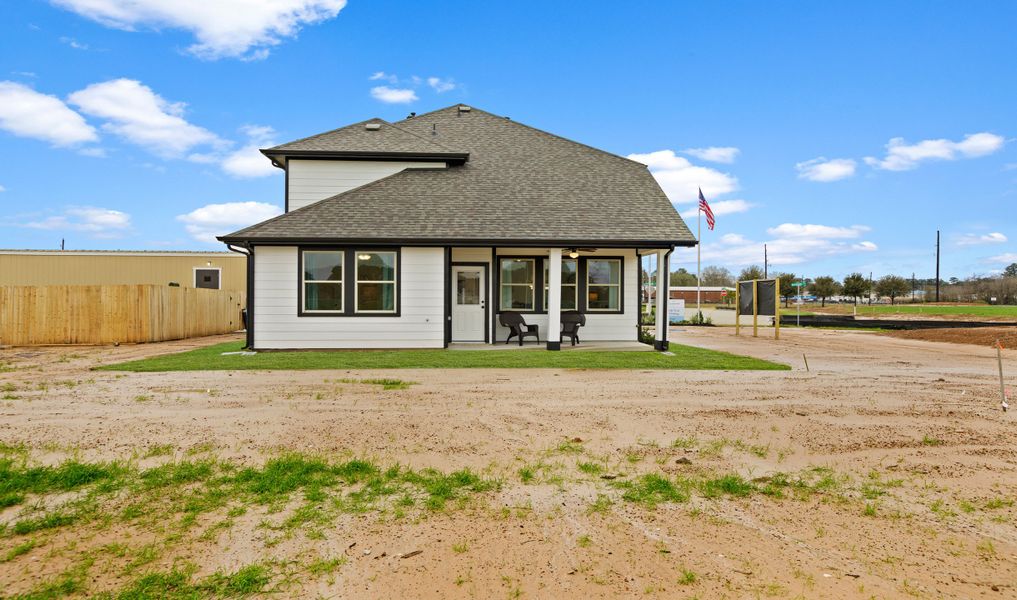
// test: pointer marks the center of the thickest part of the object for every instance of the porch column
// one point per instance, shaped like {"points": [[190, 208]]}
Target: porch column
{"points": [[663, 276], [553, 299]]}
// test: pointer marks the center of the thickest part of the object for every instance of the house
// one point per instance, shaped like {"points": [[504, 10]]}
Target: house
{"points": [[211, 270], [419, 233]]}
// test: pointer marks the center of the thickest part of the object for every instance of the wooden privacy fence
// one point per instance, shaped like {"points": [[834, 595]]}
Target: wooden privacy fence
{"points": [[104, 314]]}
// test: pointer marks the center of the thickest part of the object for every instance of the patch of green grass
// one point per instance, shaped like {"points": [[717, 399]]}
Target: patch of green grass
{"points": [[386, 384], [687, 577], [460, 548], [584, 541], [652, 489], [590, 468], [159, 450], [527, 474], [570, 447], [931, 441], [601, 505], [18, 479], [23, 548], [997, 503], [189, 488], [730, 485], [210, 359], [684, 442], [179, 584], [325, 566]]}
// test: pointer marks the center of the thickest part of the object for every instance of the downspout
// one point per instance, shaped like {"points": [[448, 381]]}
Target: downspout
{"points": [[249, 325], [639, 297], [667, 298]]}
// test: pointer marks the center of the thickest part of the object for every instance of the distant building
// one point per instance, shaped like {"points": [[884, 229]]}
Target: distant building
{"points": [[213, 270], [709, 294]]}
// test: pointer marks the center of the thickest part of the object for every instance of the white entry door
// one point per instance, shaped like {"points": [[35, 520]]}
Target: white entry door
{"points": [[469, 299]]}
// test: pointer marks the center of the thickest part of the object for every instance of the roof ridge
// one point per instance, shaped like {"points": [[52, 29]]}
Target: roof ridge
{"points": [[530, 127]]}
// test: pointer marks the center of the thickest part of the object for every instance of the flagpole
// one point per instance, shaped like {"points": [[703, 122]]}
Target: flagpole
{"points": [[699, 261]]}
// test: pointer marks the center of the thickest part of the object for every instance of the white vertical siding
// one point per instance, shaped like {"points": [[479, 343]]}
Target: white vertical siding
{"points": [[419, 325], [599, 328], [314, 180]]}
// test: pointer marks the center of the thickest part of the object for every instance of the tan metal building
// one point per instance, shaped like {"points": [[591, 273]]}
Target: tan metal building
{"points": [[213, 270]]}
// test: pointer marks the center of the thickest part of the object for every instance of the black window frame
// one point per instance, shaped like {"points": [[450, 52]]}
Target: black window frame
{"points": [[538, 301], [586, 286], [349, 281]]}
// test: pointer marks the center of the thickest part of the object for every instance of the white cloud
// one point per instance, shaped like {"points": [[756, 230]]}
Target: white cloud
{"points": [[25, 112], [901, 156], [720, 154], [788, 244], [139, 115], [681, 180], [383, 76], [973, 239], [73, 43], [1007, 258], [223, 28], [2, 189], [248, 161], [97, 222], [218, 219], [798, 230], [389, 95], [440, 85], [820, 169]]}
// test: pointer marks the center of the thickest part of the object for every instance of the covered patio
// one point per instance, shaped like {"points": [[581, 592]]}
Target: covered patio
{"points": [[581, 347]]}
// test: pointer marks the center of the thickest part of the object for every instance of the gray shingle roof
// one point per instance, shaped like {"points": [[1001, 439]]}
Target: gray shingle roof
{"points": [[520, 185], [357, 138]]}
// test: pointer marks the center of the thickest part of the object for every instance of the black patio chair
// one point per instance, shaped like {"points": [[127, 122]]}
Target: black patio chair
{"points": [[517, 327], [571, 321]]}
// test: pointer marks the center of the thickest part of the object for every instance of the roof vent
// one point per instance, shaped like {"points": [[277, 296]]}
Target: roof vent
{"points": [[464, 108], [372, 126]]}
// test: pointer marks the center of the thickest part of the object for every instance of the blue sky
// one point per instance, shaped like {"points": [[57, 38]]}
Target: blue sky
{"points": [[840, 134]]}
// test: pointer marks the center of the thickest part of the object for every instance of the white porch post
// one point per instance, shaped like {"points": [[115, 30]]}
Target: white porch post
{"points": [[553, 299], [663, 282]]}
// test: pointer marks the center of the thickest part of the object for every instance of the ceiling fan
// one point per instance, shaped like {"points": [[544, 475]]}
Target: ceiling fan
{"points": [[574, 252]]}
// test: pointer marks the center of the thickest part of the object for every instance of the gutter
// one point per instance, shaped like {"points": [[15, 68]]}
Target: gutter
{"points": [[248, 251]]}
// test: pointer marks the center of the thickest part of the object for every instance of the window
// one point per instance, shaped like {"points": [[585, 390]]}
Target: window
{"points": [[603, 284], [206, 278], [376, 282], [323, 281], [569, 283], [517, 283]]}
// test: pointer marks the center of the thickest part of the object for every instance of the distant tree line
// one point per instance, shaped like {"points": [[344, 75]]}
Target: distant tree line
{"points": [[998, 289]]}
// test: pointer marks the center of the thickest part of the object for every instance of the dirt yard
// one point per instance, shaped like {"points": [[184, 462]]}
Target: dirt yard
{"points": [[887, 470], [980, 336]]}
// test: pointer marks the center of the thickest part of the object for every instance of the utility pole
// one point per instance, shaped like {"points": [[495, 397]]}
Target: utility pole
{"points": [[870, 288], [765, 263], [937, 265], [912, 287]]}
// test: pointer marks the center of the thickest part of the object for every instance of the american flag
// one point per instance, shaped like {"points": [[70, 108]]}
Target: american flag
{"points": [[703, 206]]}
